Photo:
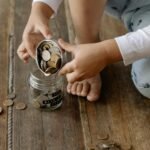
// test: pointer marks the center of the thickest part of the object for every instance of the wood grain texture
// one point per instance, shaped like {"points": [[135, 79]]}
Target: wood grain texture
{"points": [[41, 130], [122, 113], [4, 11]]}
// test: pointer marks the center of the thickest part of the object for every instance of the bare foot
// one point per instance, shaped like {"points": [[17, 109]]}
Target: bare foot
{"points": [[89, 88]]}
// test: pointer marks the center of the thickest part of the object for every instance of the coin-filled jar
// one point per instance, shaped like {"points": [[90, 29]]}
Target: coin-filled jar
{"points": [[49, 57], [45, 91]]}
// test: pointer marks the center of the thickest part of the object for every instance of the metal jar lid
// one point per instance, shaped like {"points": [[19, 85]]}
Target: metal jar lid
{"points": [[49, 57]]}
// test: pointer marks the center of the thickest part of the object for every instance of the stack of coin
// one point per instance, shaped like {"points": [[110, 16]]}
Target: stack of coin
{"points": [[48, 57]]}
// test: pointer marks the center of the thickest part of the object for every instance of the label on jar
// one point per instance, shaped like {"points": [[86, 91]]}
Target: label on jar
{"points": [[50, 100]]}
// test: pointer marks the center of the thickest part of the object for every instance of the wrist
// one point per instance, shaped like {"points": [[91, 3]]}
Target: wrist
{"points": [[42, 7], [112, 51]]}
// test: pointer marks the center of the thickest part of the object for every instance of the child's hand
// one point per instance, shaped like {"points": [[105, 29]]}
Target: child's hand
{"points": [[89, 59], [36, 30]]}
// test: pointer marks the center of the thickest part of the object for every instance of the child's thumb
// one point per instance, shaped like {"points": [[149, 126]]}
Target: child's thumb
{"points": [[66, 46], [46, 32]]}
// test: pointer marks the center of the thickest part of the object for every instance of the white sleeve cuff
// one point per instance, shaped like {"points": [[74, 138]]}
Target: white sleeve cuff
{"points": [[54, 4], [135, 45]]}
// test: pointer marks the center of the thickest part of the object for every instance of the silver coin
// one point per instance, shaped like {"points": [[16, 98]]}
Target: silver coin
{"points": [[55, 50], [46, 56], [43, 65]]}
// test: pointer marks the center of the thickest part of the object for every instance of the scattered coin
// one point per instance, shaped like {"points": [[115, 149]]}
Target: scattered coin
{"points": [[11, 96], [20, 106], [8, 103], [46, 55], [105, 146], [103, 137], [36, 104], [1, 110], [109, 145]]}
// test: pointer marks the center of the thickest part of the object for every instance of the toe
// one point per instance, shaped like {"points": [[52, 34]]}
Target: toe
{"points": [[85, 89], [95, 88], [69, 86], [94, 93], [74, 88], [79, 89]]}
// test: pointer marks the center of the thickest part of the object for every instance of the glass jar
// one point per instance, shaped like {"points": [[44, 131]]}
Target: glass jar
{"points": [[45, 92]]}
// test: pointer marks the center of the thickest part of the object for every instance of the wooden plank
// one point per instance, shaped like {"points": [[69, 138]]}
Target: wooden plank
{"points": [[40, 130], [121, 112], [4, 11]]}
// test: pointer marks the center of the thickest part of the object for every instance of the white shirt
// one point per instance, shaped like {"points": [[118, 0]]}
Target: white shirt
{"points": [[133, 46]]}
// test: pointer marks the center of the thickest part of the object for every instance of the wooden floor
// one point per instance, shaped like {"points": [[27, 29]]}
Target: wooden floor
{"points": [[122, 114]]}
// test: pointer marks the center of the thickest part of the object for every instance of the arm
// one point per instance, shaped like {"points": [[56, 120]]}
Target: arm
{"points": [[135, 45], [54, 4], [37, 27], [89, 59]]}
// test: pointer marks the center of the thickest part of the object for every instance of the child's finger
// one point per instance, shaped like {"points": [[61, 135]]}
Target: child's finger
{"points": [[29, 45], [22, 52], [66, 46], [26, 56], [44, 29], [68, 68], [73, 77]]}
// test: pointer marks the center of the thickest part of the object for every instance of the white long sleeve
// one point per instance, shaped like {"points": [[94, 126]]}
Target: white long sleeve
{"points": [[54, 4], [134, 45]]}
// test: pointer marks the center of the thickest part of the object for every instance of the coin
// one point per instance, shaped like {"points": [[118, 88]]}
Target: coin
{"points": [[46, 47], [55, 61], [8, 103], [103, 137], [55, 49], [53, 70], [36, 104], [20, 106], [48, 70], [1, 110], [55, 64], [43, 65], [46, 55], [11, 96]]}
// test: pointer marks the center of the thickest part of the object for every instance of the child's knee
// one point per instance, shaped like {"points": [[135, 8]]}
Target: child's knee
{"points": [[141, 76]]}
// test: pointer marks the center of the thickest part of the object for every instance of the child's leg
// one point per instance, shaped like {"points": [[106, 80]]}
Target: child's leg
{"points": [[86, 17], [141, 68]]}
